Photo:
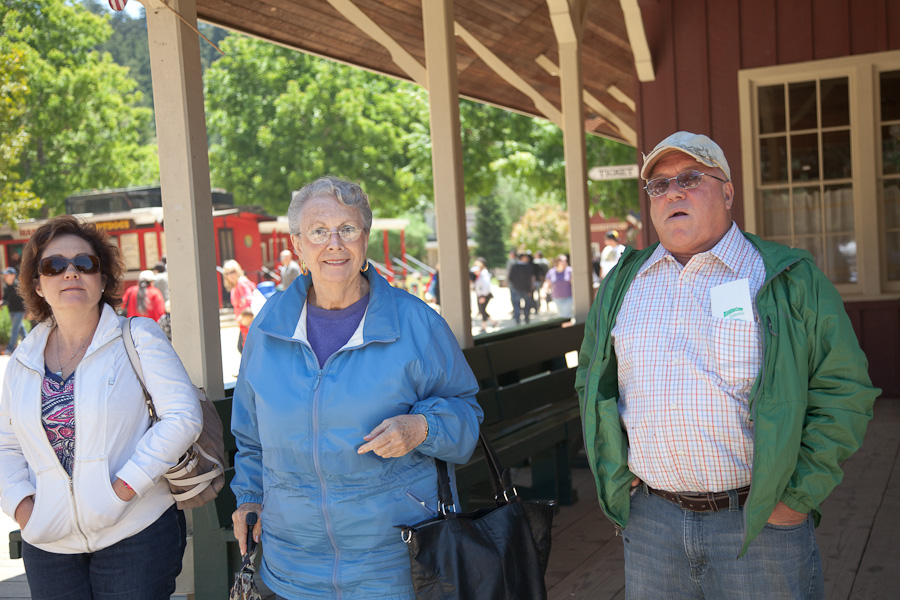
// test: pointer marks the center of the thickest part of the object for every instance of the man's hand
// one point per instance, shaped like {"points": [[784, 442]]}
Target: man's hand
{"points": [[23, 511], [786, 517], [239, 518], [396, 437]]}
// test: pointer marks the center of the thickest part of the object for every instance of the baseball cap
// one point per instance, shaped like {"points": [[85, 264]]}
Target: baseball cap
{"points": [[10, 271], [697, 146], [147, 275]]}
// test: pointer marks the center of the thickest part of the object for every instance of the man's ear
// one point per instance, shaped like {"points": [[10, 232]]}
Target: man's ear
{"points": [[728, 190]]}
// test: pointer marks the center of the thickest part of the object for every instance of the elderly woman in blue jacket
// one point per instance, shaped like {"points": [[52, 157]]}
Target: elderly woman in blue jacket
{"points": [[348, 390]]}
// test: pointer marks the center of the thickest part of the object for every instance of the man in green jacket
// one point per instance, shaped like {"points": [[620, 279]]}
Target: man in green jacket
{"points": [[721, 385]]}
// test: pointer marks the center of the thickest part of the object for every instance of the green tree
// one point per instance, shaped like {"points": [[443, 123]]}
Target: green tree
{"points": [[82, 115], [16, 197], [544, 227], [490, 240]]}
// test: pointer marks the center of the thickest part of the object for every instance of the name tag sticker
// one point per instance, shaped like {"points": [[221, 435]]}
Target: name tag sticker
{"points": [[732, 301]]}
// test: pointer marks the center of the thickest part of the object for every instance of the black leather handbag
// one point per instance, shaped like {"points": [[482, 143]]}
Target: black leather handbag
{"points": [[496, 553]]}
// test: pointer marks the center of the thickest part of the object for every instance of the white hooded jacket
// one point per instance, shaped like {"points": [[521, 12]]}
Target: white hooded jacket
{"points": [[113, 438]]}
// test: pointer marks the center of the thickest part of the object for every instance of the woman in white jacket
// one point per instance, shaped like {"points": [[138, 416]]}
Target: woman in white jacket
{"points": [[80, 467]]}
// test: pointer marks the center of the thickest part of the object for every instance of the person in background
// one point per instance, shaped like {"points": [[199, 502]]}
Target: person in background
{"points": [[541, 266], [611, 253], [558, 284], [340, 447], [16, 307], [165, 322], [721, 386], [241, 295], [520, 279], [433, 293], [81, 468], [483, 292], [143, 299], [162, 280], [288, 269]]}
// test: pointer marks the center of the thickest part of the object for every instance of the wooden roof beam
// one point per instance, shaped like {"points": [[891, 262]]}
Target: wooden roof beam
{"points": [[627, 133], [637, 36], [399, 55], [496, 64]]}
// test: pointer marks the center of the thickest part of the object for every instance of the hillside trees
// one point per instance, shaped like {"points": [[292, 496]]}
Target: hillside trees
{"points": [[82, 115]]}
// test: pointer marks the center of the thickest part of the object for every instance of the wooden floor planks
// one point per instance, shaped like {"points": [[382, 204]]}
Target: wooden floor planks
{"points": [[858, 536]]}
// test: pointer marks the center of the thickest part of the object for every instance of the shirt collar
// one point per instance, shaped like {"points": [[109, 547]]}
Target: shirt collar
{"points": [[731, 251]]}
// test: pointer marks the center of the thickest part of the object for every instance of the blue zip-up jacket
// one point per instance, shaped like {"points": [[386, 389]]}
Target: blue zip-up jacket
{"points": [[329, 514]]}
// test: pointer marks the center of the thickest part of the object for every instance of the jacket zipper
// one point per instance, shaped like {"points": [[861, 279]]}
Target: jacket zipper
{"points": [[762, 377]]}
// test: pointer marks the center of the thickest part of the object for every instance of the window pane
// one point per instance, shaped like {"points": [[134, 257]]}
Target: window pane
{"points": [[890, 149], [814, 246], [805, 157], [892, 248], [807, 218], [841, 258], [890, 96], [836, 155], [890, 191], [803, 105], [835, 102], [838, 208], [773, 160], [771, 109], [776, 213]]}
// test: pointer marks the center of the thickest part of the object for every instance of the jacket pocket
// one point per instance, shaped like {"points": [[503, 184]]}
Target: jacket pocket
{"points": [[97, 504], [52, 518]]}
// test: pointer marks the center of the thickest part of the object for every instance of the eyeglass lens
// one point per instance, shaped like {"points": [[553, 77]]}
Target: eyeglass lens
{"points": [[55, 265], [348, 233], [687, 180]]}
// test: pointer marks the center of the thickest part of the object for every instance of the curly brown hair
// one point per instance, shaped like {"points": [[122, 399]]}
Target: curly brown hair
{"points": [[112, 268]]}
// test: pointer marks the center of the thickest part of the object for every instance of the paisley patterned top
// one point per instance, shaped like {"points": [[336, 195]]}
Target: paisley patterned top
{"points": [[58, 416]]}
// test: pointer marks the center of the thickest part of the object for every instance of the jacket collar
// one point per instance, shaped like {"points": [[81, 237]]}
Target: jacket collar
{"points": [[282, 311], [31, 350]]}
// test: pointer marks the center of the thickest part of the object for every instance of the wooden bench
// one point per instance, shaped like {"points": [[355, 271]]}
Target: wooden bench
{"points": [[531, 413]]}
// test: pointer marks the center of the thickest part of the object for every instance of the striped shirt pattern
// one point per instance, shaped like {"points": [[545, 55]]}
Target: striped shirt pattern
{"points": [[684, 375]]}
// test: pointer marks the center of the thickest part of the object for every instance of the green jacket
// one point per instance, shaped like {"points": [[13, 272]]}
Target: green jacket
{"points": [[809, 404]]}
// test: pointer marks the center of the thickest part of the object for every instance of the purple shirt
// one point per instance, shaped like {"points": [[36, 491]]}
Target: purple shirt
{"points": [[328, 330], [560, 283], [58, 416]]}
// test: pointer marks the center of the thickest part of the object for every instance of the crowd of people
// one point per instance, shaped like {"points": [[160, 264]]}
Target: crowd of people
{"points": [[720, 381]]}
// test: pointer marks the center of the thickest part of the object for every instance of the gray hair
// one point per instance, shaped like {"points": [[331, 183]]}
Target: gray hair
{"points": [[345, 192]]}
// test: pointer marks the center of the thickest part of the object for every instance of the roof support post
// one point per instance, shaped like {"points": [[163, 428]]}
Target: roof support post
{"points": [[567, 17], [446, 157], [187, 207]]}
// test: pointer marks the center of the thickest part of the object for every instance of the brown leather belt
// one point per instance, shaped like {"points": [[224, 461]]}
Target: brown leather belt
{"points": [[702, 502]]}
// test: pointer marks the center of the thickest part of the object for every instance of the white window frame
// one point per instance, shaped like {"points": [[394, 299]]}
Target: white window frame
{"points": [[862, 72]]}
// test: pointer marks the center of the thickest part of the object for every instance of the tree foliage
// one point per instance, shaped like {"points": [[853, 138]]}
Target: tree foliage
{"points": [[545, 228], [16, 197], [490, 240], [82, 114]]}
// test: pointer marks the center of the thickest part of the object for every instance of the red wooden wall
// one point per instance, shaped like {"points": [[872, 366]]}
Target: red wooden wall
{"points": [[698, 48]]}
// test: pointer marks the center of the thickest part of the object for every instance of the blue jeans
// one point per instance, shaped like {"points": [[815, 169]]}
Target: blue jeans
{"points": [[141, 567], [16, 330], [517, 296], [674, 553]]}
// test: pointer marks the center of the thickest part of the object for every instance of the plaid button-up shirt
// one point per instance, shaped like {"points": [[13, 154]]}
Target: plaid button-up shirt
{"points": [[684, 375]]}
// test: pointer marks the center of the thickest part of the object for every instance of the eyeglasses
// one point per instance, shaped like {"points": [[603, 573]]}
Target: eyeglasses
{"points": [[687, 180], [56, 265], [320, 235]]}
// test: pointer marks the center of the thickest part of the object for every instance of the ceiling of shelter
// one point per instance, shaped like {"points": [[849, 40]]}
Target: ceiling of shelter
{"points": [[493, 38]]}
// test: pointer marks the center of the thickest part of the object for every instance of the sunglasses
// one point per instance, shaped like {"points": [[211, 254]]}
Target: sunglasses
{"points": [[348, 233], [51, 266], [687, 180]]}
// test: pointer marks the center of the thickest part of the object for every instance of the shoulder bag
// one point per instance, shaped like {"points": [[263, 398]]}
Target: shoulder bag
{"points": [[496, 553], [200, 473]]}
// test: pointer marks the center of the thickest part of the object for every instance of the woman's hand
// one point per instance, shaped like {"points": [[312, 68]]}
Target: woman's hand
{"points": [[23, 511], [122, 490], [239, 518], [397, 436]]}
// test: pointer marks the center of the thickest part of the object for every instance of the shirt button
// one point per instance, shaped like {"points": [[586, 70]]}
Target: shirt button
{"points": [[681, 453], [681, 320], [674, 405]]}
